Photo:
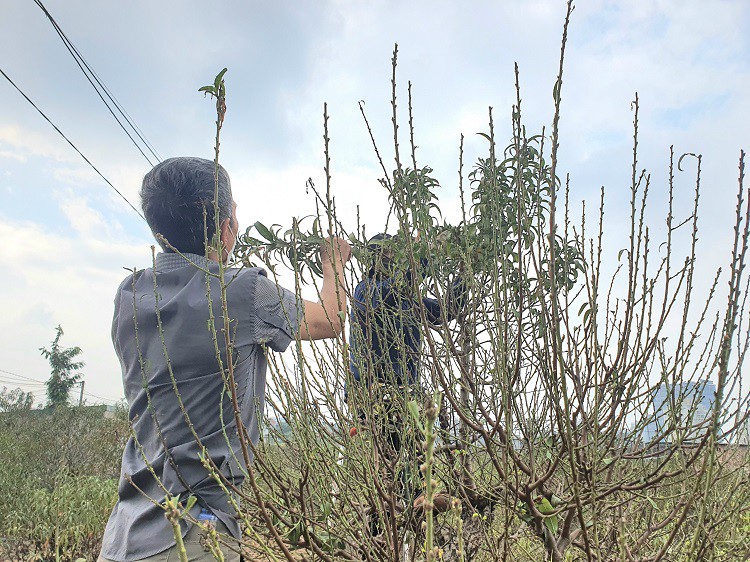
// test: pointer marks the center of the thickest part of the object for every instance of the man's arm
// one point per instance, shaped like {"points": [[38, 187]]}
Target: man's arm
{"points": [[453, 305], [433, 311], [322, 319]]}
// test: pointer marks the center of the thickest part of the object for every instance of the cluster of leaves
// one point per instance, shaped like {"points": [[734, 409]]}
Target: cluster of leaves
{"points": [[293, 247], [495, 236], [510, 207], [67, 523], [510, 211], [217, 90], [413, 193]]}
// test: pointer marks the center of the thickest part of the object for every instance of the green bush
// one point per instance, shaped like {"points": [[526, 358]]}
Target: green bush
{"points": [[58, 481]]}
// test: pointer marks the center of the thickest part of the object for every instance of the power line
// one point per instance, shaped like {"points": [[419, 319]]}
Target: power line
{"points": [[37, 383], [71, 143], [21, 376], [35, 387], [92, 77], [108, 400], [11, 380]]}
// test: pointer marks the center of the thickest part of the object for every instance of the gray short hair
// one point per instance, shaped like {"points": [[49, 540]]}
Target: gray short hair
{"points": [[173, 196]]}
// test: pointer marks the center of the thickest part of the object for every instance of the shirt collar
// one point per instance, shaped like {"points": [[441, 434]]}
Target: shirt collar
{"points": [[169, 261]]}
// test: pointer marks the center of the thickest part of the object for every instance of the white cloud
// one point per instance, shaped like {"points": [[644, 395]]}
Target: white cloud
{"points": [[76, 175], [274, 196], [85, 220], [68, 280], [24, 142], [10, 155]]}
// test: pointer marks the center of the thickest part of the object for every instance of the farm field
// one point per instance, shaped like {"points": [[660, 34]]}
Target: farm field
{"points": [[59, 491]]}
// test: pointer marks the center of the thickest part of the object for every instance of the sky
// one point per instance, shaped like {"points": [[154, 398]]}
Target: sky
{"points": [[67, 235]]}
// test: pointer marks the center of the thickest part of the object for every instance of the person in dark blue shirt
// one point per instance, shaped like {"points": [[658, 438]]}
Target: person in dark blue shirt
{"points": [[386, 323]]}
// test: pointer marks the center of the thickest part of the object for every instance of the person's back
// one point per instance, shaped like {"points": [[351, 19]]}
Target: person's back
{"points": [[175, 367], [182, 407]]}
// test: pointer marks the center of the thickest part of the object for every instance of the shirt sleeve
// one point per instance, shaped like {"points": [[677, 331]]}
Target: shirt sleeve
{"points": [[276, 314], [433, 310]]}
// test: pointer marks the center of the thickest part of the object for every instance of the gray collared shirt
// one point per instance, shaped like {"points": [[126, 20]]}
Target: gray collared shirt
{"points": [[163, 441]]}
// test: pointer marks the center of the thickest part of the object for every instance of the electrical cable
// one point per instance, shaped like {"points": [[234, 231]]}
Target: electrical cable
{"points": [[89, 73], [106, 400], [21, 376], [71, 144], [34, 386], [6, 379], [37, 382]]}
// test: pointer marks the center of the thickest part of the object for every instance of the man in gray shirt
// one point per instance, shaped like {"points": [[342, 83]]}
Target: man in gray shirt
{"points": [[175, 383]]}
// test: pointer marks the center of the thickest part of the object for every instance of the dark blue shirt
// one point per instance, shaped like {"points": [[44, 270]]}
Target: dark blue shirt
{"points": [[385, 332]]}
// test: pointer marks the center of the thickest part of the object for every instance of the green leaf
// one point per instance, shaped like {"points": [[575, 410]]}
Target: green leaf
{"points": [[523, 513], [551, 523], [295, 533], [545, 507], [414, 411], [556, 91], [190, 503], [264, 231], [219, 77], [330, 541], [326, 508], [207, 89]]}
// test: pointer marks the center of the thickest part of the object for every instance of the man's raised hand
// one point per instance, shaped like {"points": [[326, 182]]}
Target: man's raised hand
{"points": [[336, 249], [325, 319]]}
